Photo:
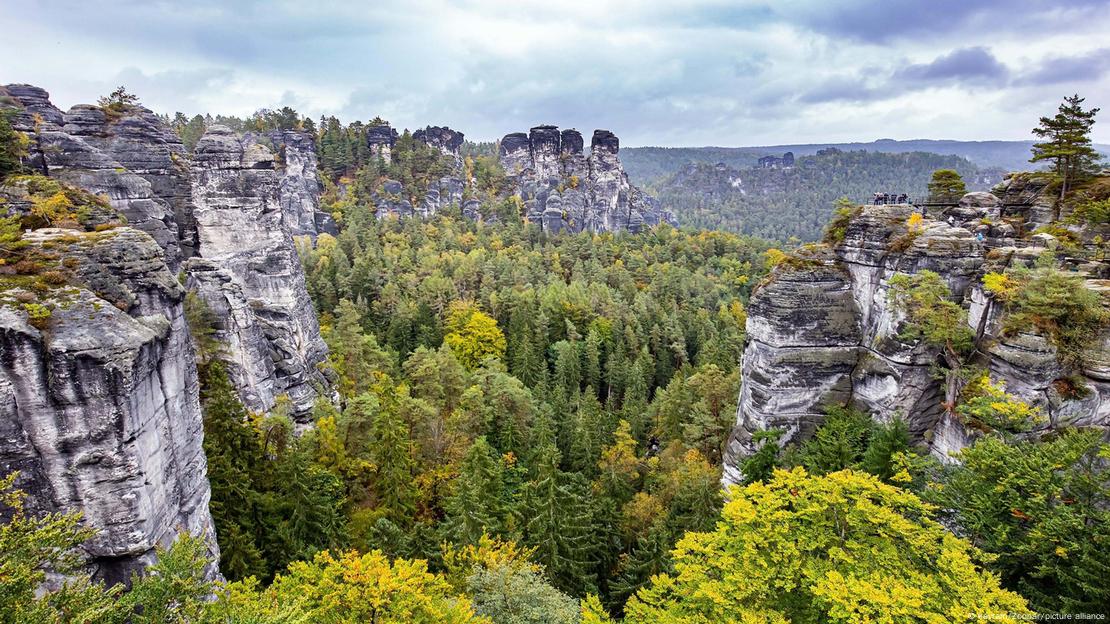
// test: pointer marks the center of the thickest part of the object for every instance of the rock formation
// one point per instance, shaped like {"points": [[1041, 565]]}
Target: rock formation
{"points": [[102, 412], [298, 184], [381, 139], [99, 408], [396, 201], [248, 272], [822, 330], [564, 190], [90, 150]]}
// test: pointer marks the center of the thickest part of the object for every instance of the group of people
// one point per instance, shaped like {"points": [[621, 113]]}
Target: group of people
{"points": [[891, 198]]}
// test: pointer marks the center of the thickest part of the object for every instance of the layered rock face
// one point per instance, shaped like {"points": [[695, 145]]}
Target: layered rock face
{"points": [[248, 272], [824, 331], [99, 408], [100, 402], [85, 148], [298, 184], [563, 189]]}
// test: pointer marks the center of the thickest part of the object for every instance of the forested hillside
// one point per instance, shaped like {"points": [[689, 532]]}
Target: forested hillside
{"points": [[796, 202], [645, 164]]}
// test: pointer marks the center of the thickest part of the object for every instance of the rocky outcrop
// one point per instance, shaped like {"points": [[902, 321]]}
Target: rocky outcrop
{"points": [[298, 184], [99, 408], [562, 189], [249, 273], [98, 381], [823, 331], [92, 150], [393, 200], [380, 140]]}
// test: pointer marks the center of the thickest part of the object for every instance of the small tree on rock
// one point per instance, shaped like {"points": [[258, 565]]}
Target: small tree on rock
{"points": [[946, 187]]}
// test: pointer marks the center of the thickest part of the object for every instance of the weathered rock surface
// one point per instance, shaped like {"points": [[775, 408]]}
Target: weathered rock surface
{"points": [[249, 273], [99, 407], [84, 148], [823, 331], [298, 184], [564, 190]]}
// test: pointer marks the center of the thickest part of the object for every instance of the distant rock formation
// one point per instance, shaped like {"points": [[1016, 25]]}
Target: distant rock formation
{"points": [[380, 140], [563, 190], [774, 162], [823, 331], [393, 200]]}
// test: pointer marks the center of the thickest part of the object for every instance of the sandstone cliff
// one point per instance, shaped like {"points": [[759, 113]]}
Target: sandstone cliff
{"points": [[823, 330], [563, 189], [101, 411], [99, 408], [248, 272]]}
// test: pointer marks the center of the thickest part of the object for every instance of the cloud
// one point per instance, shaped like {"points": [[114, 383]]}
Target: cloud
{"points": [[680, 72], [975, 64], [1061, 69]]}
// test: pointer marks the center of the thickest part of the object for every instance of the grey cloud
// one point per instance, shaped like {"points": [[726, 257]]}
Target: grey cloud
{"points": [[966, 64], [1061, 69]]}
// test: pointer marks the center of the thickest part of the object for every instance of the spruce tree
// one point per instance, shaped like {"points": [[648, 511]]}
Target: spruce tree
{"points": [[234, 454], [476, 507], [886, 441], [391, 454]]}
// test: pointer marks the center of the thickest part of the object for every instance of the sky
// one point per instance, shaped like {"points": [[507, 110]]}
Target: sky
{"points": [[672, 73]]}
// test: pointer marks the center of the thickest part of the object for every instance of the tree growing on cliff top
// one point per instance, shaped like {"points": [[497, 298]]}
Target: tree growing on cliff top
{"points": [[1066, 142], [946, 187], [118, 101]]}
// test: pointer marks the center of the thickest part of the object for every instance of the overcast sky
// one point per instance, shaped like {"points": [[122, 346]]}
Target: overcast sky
{"points": [[679, 72]]}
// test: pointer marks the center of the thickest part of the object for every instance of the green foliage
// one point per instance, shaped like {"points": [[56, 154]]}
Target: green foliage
{"points": [[946, 187], [1054, 303], [843, 214], [1042, 509], [838, 548], [118, 101], [31, 545], [511, 594], [13, 146], [987, 406], [1066, 142], [840, 442], [270, 504], [174, 589]]}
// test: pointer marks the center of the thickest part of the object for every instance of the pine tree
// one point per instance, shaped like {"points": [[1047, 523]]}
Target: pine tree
{"points": [[1066, 141], [946, 187]]}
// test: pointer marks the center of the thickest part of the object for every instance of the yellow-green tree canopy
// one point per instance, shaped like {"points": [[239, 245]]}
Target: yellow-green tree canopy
{"points": [[473, 336], [840, 548], [353, 588]]}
